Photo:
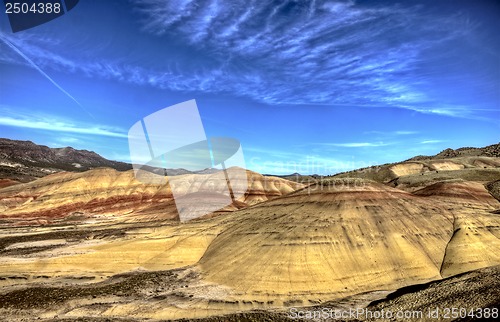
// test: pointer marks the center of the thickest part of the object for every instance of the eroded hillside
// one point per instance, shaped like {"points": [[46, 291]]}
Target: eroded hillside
{"points": [[105, 194], [324, 242], [101, 243]]}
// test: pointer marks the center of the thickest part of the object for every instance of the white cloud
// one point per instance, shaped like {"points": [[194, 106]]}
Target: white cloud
{"points": [[68, 140], [55, 125], [431, 141], [333, 53], [405, 132], [357, 144], [338, 48]]}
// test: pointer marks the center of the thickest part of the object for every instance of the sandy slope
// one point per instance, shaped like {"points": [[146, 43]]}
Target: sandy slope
{"points": [[319, 243], [316, 244], [348, 239], [476, 168]]}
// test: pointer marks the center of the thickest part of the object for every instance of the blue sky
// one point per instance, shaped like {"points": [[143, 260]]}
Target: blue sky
{"points": [[307, 86]]}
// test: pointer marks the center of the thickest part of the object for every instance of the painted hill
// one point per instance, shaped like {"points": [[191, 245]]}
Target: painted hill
{"points": [[347, 238], [106, 194], [322, 243], [412, 175], [117, 250]]}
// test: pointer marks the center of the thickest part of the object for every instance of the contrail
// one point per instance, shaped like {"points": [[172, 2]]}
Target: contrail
{"points": [[32, 63]]}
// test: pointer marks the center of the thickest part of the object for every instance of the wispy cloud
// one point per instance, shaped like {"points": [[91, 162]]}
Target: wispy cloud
{"points": [[392, 133], [405, 132], [431, 141], [357, 144], [317, 52], [68, 140], [58, 125], [332, 52]]}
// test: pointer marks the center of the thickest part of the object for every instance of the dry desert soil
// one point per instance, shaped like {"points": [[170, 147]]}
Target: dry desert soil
{"points": [[99, 245]]}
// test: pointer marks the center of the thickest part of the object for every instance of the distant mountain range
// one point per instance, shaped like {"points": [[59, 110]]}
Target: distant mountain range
{"points": [[26, 161], [349, 238]]}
